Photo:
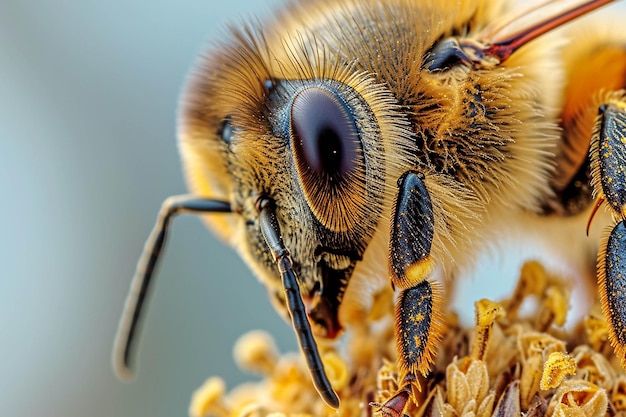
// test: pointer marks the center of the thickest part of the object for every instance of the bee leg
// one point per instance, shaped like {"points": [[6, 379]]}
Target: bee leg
{"points": [[608, 172], [612, 284], [418, 320]]}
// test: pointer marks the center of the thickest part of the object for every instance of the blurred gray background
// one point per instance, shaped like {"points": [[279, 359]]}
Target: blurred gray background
{"points": [[88, 97]]}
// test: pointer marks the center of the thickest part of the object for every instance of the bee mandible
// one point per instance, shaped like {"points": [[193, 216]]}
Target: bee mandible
{"points": [[351, 144]]}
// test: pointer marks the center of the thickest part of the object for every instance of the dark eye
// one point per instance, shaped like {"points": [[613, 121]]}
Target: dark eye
{"points": [[328, 155], [445, 55], [226, 131], [324, 135]]}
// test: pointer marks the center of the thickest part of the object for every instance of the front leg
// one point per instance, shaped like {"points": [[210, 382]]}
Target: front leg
{"points": [[608, 171], [419, 319]]}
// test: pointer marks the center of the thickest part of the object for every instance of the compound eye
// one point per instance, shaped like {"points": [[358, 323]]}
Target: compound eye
{"points": [[226, 131], [446, 55], [324, 134], [328, 153]]}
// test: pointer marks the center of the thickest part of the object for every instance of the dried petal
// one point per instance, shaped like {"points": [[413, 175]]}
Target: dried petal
{"points": [[250, 410], [554, 307], [594, 367], [485, 408], [336, 370], [556, 368], [208, 399], [597, 331], [532, 281], [579, 398], [467, 383], [542, 344], [509, 405], [538, 407], [458, 388], [486, 314], [530, 380], [469, 409], [256, 352], [618, 397], [249, 399], [440, 408], [479, 380], [386, 381], [290, 384]]}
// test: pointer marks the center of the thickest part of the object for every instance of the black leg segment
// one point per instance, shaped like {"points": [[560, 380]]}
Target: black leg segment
{"points": [[412, 229], [414, 311]]}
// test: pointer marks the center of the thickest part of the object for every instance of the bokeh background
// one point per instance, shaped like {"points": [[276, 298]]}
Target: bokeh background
{"points": [[88, 97]]}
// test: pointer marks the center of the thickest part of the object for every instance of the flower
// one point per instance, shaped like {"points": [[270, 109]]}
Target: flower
{"points": [[508, 364]]}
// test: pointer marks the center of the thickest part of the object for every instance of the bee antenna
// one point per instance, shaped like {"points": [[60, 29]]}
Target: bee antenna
{"points": [[503, 48], [273, 237], [129, 323]]}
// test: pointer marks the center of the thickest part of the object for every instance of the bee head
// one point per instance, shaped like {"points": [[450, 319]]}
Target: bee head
{"points": [[305, 131], [324, 110]]}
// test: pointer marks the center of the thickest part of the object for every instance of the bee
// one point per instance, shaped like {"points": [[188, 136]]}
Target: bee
{"points": [[350, 145]]}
